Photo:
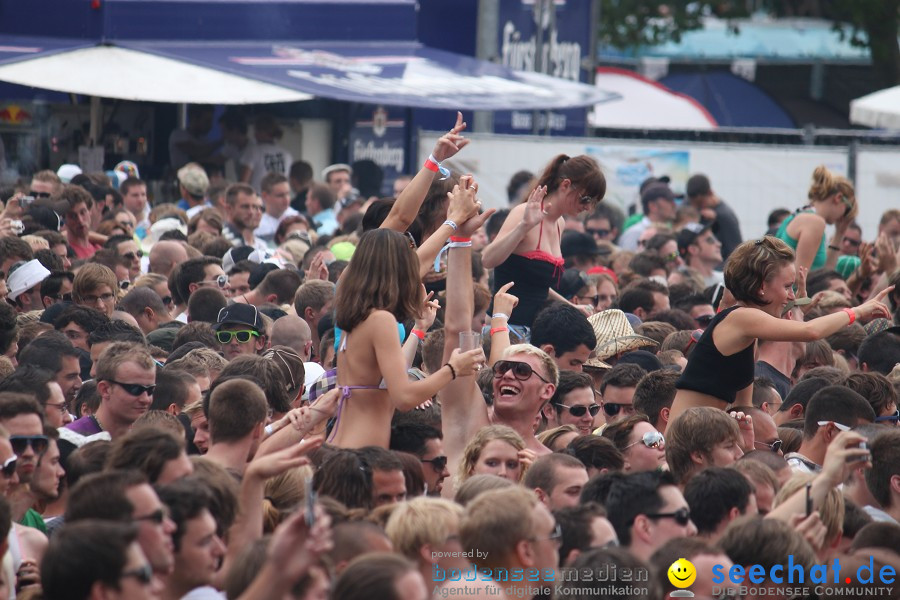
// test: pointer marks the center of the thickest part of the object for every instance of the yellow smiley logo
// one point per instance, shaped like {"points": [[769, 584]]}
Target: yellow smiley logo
{"points": [[682, 573]]}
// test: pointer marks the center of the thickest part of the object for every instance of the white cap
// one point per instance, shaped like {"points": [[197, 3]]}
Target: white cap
{"points": [[67, 171], [26, 277], [335, 167]]}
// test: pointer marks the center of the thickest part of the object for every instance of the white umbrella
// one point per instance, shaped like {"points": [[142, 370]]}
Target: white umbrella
{"points": [[645, 104], [879, 109]]}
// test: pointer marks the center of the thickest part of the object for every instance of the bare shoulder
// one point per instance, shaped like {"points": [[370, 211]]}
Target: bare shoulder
{"points": [[33, 542]]}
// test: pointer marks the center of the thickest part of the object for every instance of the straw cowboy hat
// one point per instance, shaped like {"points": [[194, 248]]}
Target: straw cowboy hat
{"points": [[614, 335]]}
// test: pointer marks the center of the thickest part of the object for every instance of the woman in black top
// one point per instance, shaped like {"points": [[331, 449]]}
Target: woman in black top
{"points": [[760, 276]]}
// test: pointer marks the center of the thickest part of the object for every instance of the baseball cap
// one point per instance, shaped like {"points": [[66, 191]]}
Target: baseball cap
{"points": [[24, 276], [688, 235], [194, 179], [235, 255], [67, 171], [240, 314]]}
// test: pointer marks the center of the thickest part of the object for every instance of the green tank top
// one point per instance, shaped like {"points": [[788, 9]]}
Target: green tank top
{"points": [[821, 255]]}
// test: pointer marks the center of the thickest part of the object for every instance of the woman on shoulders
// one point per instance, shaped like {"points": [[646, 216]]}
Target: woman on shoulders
{"points": [[832, 202], [380, 288], [760, 275], [527, 248]]}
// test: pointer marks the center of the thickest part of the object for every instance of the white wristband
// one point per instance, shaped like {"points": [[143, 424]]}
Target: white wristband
{"points": [[500, 315]]}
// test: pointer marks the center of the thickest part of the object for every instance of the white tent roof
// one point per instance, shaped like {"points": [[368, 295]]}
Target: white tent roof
{"points": [[114, 72], [645, 104], [879, 109]]}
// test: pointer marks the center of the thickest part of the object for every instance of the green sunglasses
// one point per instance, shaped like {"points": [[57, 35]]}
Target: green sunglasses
{"points": [[243, 337]]}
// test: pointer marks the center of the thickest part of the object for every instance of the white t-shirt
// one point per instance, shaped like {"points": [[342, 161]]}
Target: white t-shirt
{"points": [[266, 158], [269, 224]]}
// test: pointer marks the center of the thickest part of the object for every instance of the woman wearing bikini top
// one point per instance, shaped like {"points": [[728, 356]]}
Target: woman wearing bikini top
{"points": [[380, 288]]}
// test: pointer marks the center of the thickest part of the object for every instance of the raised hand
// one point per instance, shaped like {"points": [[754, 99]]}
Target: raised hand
{"points": [[451, 142], [467, 363], [533, 211], [463, 204], [429, 313], [875, 307], [504, 302]]}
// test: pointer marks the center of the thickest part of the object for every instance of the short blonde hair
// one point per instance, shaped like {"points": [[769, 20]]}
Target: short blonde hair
{"points": [[422, 521], [473, 449], [550, 368], [199, 363], [495, 522], [831, 511]]}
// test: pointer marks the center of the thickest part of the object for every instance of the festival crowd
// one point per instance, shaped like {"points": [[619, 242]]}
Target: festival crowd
{"points": [[286, 386]]}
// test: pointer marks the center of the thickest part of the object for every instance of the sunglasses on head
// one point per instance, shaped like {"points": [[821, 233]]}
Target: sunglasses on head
{"points": [[439, 463], [144, 574], [9, 467], [242, 336], [774, 446], [682, 516], [521, 371], [581, 410], [134, 389], [651, 439], [20, 443]]}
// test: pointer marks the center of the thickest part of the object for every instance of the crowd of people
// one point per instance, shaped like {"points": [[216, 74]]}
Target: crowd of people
{"points": [[284, 388]]}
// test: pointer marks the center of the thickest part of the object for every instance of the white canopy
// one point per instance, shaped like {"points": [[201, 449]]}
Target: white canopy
{"points": [[645, 104], [879, 109], [125, 74]]}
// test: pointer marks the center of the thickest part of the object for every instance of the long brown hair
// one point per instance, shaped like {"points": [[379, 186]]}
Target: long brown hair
{"points": [[383, 275], [582, 171]]}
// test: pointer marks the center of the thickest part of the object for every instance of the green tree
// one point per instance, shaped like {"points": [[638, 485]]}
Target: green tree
{"points": [[868, 23]]}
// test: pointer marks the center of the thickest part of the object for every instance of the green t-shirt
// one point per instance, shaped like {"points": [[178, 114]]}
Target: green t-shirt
{"points": [[34, 519]]}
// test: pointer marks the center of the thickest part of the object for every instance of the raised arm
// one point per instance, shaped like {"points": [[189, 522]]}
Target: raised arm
{"points": [[408, 203], [520, 221], [504, 303], [462, 207], [755, 324]]}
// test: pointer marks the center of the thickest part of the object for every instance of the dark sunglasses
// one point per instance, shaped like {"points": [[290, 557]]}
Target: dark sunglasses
{"points": [[9, 467], [39, 194], [597, 232], [887, 418], [133, 255], [167, 300], [243, 336], [579, 411], [682, 516], [158, 516], [144, 574], [594, 300], [20, 443], [703, 320], [134, 389], [521, 371], [64, 297], [612, 409], [774, 446], [439, 463]]}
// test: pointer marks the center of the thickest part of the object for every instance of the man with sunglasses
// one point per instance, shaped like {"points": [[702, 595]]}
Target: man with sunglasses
{"points": [[647, 510], [427, 443], [126, 496], [765, 431], [126, 380], [76, 568], [240, 330], [617, 391], [127, 248], [701, 251], [573, 403]]}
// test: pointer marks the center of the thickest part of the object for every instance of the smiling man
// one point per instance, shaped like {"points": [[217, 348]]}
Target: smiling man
{"points": [[573, 403], [126, 380]]}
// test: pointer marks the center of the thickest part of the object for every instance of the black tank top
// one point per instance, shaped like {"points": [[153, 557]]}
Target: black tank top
{"points": [[709, 372]]}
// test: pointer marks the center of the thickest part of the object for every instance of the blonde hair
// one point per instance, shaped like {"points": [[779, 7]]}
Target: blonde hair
{"points": [[199, 363], [283, 493], [831, 511], [422, 521], [549, 437], [473, 449], [550, 368], [826, 184], [150, 280]]}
